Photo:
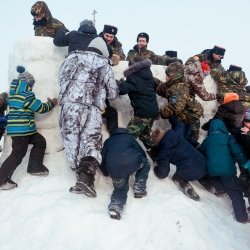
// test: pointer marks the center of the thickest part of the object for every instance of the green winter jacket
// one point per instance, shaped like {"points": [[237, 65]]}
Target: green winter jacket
{"points": [[219, 148]]}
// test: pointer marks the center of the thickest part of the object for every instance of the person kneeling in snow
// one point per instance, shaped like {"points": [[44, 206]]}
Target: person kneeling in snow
{"points": [[219, 148], [86, 80], [22, 128], [121, 157], [174, 149]]}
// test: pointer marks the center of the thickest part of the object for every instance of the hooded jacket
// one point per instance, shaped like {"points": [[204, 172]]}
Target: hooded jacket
{"points": [[140, 87], [87, 78], [231, 113], [48, 26], [220, 148], [116, 47], [22, 108], [121, 154], [76, 40], [174, 149], [193, 78], [180, 103]]}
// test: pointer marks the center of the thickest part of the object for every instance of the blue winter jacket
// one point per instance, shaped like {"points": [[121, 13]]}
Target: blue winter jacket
{"points": [[22, 108], [121, 154], [219, 148], [174, 149]]}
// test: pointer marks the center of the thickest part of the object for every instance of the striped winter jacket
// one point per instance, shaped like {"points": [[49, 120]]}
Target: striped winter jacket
{"points": [[22, 108]]}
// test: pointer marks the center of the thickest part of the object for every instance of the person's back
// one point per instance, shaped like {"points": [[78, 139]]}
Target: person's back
{"points": [[76, 40], [121, 157]]}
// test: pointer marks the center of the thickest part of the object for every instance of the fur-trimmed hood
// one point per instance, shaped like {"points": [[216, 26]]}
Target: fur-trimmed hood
{"points": [[135, 68]]}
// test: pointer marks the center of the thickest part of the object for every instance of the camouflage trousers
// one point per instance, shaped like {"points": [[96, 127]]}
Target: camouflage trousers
{"points": [[141, 127], [81, 129], [194, 130]]}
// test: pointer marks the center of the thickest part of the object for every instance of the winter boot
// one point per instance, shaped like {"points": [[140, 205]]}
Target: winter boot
{"points": [[246, 221], [204, 181], [140, 188], [152, 153], [86, 173], [114, 214], [37, 168], [185, 187], [8, 185]]}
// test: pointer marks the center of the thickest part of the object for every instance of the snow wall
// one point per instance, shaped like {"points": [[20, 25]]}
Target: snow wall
{"points": [[42, 59]]}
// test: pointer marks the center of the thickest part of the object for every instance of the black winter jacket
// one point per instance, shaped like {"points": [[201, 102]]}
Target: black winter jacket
{"points": [[121, 154], [231, 113], [243, 140], [174, 149], [140, 87], [76, 40]]}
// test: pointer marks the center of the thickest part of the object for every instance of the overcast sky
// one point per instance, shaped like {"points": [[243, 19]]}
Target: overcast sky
{"points": [[186, 26]]}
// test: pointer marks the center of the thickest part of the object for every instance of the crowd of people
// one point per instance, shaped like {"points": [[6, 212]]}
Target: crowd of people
{"points": [[87, 84]]}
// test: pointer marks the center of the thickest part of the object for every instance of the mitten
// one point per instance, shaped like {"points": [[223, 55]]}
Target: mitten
{"points": [[115, 58], [53, 100]]}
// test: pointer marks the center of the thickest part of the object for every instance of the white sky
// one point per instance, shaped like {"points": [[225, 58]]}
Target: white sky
{"points": [[186, 26]]}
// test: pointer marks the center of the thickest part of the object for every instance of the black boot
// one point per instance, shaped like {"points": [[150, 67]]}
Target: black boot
{"points": [[114, 214], [8, 185], [37, 168], [86, 173], [152, 153], [185, 187], [204, 181]]}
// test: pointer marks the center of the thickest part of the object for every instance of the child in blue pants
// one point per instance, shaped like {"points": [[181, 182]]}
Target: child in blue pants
{"points": [[121, 157]]}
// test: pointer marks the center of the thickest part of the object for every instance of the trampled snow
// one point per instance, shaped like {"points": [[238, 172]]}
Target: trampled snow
{"points": [[42, 214]]}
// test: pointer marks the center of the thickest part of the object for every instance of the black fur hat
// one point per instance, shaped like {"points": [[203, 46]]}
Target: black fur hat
{"points": [[219, 50], [233, 67], [171, 53], [110, 29], [143, 34]]}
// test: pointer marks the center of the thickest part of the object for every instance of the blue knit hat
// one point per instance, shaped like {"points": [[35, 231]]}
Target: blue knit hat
{"points": [[247, 115]]}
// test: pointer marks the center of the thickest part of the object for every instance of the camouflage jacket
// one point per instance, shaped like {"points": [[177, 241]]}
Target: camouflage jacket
{"points": [[193, 78], [50, 27], [116, 47], [236, 85], [3, 103], [180, 103], [148, 54], [217, 70]]}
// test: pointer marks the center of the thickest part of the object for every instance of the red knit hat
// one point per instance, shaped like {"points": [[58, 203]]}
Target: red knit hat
{"points": [[230, 97], [205, 68]]}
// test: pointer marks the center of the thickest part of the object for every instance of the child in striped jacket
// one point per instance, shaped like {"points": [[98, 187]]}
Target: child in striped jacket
{"points": [[21, 127]]}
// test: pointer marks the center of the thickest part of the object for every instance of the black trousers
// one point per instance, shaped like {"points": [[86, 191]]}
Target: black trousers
{"points": [[19, 149]]}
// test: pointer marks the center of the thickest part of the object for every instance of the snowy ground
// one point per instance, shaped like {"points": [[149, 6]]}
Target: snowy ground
{"points": [[42, 214]]}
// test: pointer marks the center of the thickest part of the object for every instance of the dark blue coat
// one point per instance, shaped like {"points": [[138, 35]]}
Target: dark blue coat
{"points": [[140, 87], [220, 147], [174, 149], [244, 141], [76, 40], [121, 154]]}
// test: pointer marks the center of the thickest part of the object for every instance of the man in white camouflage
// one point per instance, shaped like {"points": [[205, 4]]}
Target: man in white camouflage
{"points": [[86, 80]]}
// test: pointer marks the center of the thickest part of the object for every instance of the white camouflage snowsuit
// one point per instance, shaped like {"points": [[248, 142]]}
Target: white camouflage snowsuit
{"points": [[86, 80]]}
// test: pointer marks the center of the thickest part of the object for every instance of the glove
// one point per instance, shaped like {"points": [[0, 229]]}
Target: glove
{"points": [[53, 100], [246, 165], [115, 58], [219, 97]]}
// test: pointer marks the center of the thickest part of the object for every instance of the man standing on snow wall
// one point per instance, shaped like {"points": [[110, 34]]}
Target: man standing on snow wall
{"points": [[86, 80]]}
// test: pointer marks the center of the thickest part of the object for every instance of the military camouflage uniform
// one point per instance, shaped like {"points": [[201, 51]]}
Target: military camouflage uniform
{"points": [[49, 29], [235, 82], [116, 47], [148, 54], [3, 107], [193, 78], [180, 103], [216, 68]]}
